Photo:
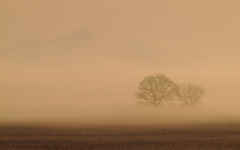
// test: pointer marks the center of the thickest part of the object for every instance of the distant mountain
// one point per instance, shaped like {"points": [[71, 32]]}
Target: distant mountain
{"points": [[82, 46], [68, 41], [71, 40], [43, 50]]}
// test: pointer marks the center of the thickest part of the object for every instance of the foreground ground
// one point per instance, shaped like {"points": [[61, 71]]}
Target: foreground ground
{"points": [[169, 137]]}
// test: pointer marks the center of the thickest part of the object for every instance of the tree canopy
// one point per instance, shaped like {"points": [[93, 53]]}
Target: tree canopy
{"points": [[158, 89], [190, 95]]}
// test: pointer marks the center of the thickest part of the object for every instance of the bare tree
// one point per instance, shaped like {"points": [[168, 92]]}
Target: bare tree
{"points": [[157, 90], [190, 95]]}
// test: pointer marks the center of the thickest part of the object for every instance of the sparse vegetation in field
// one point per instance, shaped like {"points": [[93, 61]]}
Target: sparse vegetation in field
{"points": [[171, 137]]}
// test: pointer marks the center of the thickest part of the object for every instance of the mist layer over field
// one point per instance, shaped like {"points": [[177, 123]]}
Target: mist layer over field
{"points": [[103, 92], [83, 63]]}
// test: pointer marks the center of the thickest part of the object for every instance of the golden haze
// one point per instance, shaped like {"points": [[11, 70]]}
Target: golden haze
{"points": [[189, 41]]}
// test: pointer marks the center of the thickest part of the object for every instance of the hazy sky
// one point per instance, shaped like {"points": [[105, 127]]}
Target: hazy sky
{"points": [[184, 23], [208, 30]]}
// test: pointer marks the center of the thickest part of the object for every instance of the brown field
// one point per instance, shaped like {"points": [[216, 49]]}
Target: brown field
{"points": [[142, 137]]}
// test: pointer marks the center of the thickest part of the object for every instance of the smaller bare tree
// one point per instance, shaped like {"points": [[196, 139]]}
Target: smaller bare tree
{"points": [[190, 95]]}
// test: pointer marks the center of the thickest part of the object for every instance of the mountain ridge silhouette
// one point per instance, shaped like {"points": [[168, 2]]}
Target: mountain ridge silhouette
{"points": [[70, 40]]}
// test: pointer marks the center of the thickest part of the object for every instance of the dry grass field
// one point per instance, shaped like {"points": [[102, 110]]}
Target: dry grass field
{"points": [[139, 137]]}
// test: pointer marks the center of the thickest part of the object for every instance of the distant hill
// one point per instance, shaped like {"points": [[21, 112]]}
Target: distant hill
{"points": [[82, 47], [44, 50], [71, 40], [68, 41]]}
